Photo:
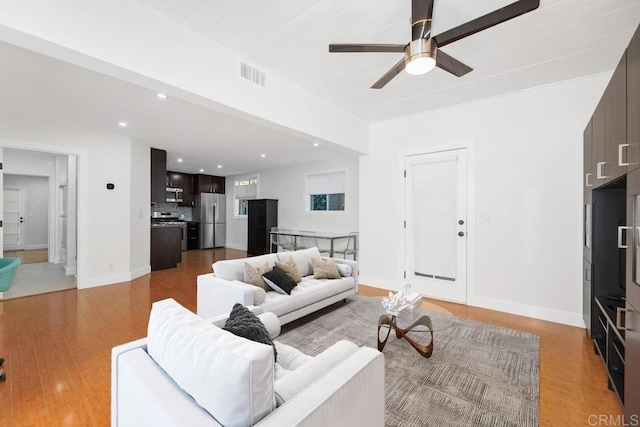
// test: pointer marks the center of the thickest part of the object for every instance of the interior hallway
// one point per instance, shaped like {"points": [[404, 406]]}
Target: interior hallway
{"points": [[39, 278]]}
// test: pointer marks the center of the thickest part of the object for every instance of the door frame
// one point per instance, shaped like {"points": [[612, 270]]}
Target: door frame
{"points": [[469, 145]]}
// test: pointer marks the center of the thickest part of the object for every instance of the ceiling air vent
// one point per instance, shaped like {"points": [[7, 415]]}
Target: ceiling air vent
{"points": [[253, 75]]}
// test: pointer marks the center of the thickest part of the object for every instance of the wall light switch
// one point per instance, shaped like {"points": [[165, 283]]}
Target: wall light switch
{"points": [[485, 219]]}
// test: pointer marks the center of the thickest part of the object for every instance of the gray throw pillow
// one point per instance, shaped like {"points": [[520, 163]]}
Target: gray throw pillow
{"points": [[243, 323]]}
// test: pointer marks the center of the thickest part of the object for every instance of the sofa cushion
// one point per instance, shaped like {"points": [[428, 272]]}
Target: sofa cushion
{"points": [[325, 268], [229, 376], [345, 270], [302, 259], [233, 269], [287, 386], [253, 275], [308, 292], [244, 323], [279, 281], [290, 357], [290, 268]]}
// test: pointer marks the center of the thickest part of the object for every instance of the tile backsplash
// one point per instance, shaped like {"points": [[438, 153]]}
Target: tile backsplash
{"points": [[186, 213]]}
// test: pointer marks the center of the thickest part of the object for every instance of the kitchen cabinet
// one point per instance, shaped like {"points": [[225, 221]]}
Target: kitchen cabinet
{"points": [[188, 197], [587, 293], [615, 112], [588, 159], [597, 145], [175, 179], [632, 362], [193, 235], [633, 102], [209, 184], [262, 215], [166, 247], [158, 174], [587, 225]]}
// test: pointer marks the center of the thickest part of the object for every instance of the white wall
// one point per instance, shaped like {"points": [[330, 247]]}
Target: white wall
{"points": [[528, 179], [104, 216], [287, 184], [35, 191]]}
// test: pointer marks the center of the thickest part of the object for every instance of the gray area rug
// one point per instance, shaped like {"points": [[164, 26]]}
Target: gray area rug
{"points": [[478, 375]]}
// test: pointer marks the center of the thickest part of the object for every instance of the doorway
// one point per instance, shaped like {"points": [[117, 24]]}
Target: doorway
{"points": [[436, 224]]}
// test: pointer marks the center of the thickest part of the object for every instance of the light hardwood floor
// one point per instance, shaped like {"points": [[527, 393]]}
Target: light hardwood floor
{"points": [[29, 257], [58, 345]]}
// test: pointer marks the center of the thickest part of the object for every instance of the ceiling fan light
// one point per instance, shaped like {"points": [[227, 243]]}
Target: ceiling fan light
{"points": [[420, 56], [420, 65]]}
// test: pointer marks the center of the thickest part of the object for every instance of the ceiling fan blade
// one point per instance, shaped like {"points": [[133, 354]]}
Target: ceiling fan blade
{"points": [[389, 75], [421, 13], [347, 47], [487, 21], [451, 64]]}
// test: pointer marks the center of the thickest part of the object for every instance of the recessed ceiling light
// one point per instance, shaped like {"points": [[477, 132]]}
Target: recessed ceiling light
{"points": [[161, 96], [315, 144], [201, 170], [122, 124], [263, 155], [219, 166], [179, 160]]}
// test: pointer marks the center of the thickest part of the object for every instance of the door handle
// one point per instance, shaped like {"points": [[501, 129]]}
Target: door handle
{"points": [[621, 147], [619, 325], [600, 170], [461, 233], [620, 232], [586, 179]]}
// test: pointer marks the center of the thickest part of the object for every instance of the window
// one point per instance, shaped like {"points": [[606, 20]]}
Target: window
{"points": [[326, 192], [246, 188]]}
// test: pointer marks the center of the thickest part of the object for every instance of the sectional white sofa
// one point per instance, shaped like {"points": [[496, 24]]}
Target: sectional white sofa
{"points": [[190, 372], [220, 290]]}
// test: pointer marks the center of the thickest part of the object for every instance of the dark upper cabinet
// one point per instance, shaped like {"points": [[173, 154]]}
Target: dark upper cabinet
{"points": [[209, 184], [175, 179], [588, 165], [158, 175], [615, 111], [633, 103], [597, 145], [188, 196]]}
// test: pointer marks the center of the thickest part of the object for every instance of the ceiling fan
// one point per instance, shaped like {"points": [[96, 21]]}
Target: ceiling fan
{"points": [[423, 53]]}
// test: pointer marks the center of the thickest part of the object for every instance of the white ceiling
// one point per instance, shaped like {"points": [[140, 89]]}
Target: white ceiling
{"points": [[562, 39], [41, 89]]}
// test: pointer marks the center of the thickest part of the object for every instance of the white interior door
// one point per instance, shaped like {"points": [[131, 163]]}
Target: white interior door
{"points": [[436, 230], [13, 213]]}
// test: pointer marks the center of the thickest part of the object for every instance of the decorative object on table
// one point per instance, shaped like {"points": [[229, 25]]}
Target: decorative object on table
{"points": [[396, 304], [480, 374], [8, 269]]}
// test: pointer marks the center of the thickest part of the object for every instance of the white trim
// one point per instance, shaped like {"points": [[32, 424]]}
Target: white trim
{"points": [[238, 247], [541, 313], [116, 278], [33, 247]]}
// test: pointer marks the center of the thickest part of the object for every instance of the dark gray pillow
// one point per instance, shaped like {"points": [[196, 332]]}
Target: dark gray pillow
{"points": [[243, 323], [279, 281]]}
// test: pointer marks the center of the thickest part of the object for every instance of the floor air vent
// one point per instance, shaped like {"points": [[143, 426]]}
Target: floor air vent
{"points": [[253, 75]]}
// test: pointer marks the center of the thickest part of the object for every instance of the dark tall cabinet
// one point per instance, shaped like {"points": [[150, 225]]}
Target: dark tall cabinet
{"points": [[262, 214], [158, 175], [611, 240]]}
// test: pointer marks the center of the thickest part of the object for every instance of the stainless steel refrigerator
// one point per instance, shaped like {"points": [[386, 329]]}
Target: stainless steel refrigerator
{"points": [[210, 211]]}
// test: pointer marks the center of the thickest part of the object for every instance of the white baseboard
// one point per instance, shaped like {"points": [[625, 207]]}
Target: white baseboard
{"points": [[238, 247], [70, 271], [33, 247], [93, 282], [57, 260], [541, 313]]}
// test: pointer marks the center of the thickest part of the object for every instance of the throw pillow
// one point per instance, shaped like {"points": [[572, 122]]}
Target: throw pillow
{"points": [[290, 268], [324, 268], [253, 275], [344, 269], [278, 280], [243, 323]]}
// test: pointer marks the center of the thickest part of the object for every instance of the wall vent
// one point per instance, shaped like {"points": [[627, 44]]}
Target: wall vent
{"points": [[253, 75]]}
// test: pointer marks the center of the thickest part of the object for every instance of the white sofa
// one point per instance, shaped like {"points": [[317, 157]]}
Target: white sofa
{"points": [[220, 290], [190, 372]]}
